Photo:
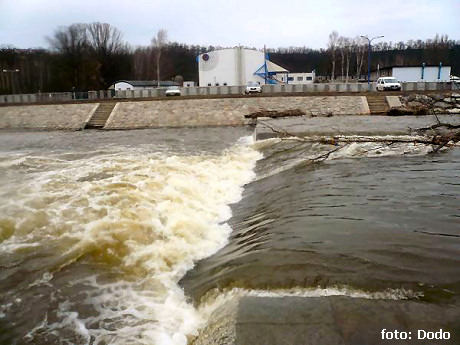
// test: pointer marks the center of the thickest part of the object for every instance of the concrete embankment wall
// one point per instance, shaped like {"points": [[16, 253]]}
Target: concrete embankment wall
{"points": [[217, 90], [46, 117], [224, 111], [175, 112]]}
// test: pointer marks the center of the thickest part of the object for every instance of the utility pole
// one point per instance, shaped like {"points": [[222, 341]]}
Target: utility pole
{"points": [[369, 57], [11, 71], [265, 64]]}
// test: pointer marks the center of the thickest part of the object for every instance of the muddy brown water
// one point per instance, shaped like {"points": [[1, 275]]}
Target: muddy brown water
{"points": [[120, 237]]}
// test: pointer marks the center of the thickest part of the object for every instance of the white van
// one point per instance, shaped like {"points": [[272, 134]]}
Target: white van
{"points": [[388, 83]]}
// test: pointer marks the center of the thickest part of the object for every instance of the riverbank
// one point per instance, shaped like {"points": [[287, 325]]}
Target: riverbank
{"points": [[174, 112], [200, 111]]}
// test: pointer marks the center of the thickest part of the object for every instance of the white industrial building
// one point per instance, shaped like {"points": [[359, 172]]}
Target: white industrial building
{"points": [[420, 73], [238, 66], [299, 78]]}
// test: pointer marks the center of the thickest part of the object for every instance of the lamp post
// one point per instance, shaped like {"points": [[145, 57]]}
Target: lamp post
{"points": [[369, 57], [11, 71]]}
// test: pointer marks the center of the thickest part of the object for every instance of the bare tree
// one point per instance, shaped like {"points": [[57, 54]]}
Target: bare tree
{"points": [[346, 51], [72, 43], [139, 62], [106, 47], [359, 48], [104, 39], [160, 40], [341, 47], [344, 47], [70, 40], [332, 45]]}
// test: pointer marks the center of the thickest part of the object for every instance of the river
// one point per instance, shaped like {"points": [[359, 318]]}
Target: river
{"points": [[134, 237]]}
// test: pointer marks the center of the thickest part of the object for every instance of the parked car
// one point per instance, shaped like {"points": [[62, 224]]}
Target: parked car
{"points": [[252, 88], [387, 84], [173, 91]]}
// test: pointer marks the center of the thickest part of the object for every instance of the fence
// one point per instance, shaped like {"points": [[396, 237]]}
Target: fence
{"points": [[211, 91]]}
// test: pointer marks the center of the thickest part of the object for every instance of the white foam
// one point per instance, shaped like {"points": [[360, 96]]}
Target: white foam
{"points": [[216, 298], [354, 147], [156, 214], [375, 149]]}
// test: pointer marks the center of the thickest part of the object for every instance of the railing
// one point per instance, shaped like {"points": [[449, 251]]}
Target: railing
{"points": [[213, 90]]}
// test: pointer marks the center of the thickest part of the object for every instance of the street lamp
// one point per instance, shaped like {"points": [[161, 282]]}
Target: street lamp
{"points": [[369, 57], [11, 71]]}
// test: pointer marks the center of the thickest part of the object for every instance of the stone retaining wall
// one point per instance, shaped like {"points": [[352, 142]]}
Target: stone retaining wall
{"points": [[46, 117], [225, 111], [175, 112], [448, 103]]}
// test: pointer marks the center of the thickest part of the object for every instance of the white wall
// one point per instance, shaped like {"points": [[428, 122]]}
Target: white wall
{"points": [[233, 67], [296, 76], [253, 60], [414, 74]]}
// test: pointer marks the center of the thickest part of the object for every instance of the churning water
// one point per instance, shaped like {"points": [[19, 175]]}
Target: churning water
{"points": [[101, 232]]}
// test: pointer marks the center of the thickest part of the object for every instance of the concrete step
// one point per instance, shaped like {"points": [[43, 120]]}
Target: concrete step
{"points": [[101, 115], [378, 104]]}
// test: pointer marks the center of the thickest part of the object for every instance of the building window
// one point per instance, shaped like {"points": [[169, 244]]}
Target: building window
{"points": [[308, 78], [217, 84], [290, 78], [225, 84], [299, 78], [209, 84]]}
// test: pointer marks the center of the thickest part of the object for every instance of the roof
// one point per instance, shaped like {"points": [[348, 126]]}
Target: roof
{"points": [[407, 66], [152, 83], [272, 68]]}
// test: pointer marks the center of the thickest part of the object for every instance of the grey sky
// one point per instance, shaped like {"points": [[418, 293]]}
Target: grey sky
{"points": [[25, 23]]}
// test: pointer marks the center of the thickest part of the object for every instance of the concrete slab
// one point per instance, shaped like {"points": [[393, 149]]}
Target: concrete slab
{"points": [[346, 125], [393, 101], [335, 320]]}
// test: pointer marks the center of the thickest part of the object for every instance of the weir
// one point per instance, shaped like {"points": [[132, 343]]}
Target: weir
{"points": [[347, 125], [333, 320], [269, 247]]}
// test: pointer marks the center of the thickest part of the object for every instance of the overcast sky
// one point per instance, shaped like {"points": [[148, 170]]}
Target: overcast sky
{"points": [[226, 23]]}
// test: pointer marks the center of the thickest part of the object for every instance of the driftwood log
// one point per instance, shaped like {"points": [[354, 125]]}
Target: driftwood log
{"points": [[275, 113], [439, 136]]}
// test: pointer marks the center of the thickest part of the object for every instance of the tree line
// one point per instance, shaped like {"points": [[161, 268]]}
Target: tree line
{"points": [[347, 57], [93, 56]]}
